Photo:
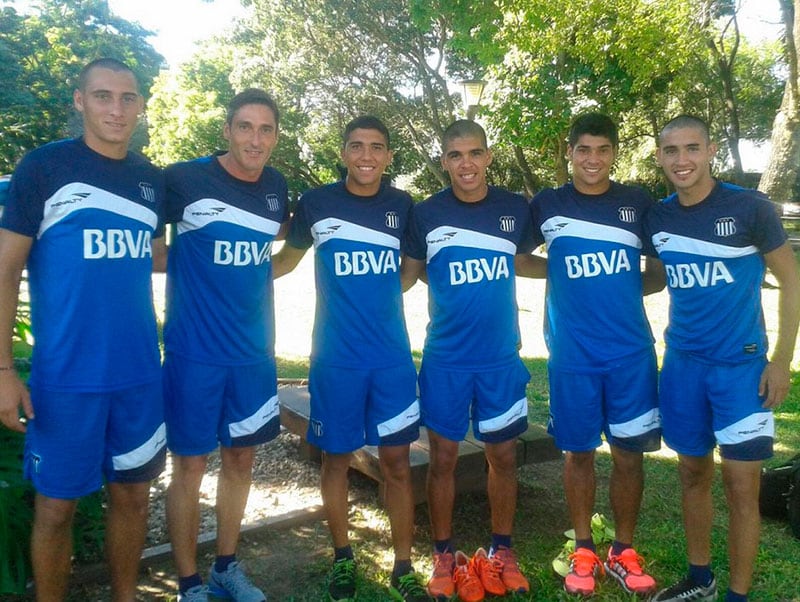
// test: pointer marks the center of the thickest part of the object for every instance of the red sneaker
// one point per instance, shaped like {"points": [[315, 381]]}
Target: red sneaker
{"points": [[441, 582], [512, 577], [468, 584], [489, 571], [627, 569], [584, 566]]}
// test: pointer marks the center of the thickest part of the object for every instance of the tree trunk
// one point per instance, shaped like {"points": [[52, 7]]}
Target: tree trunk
{"points": [[784, 160]]}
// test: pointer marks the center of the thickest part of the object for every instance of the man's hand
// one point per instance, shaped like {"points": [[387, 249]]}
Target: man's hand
{"points": [[13, 396], [775, 381]]}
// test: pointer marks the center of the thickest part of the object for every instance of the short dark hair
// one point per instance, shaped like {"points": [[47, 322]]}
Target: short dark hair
{"points": [[463, 128], [366, 122], [594, 124], [685, 121], [103, 63], [252, 96]]}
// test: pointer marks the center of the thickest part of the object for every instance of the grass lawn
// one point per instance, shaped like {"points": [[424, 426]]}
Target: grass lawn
{"points": [[541, 520]]}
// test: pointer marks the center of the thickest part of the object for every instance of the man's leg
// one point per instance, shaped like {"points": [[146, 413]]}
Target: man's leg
{"points": [[125, 536], [742, 482], [183, 510], [502, 484], [625, 490], [399, 499], [696, 475], [333, 486], [233, 489], [441, 485], [579, 489], [51, 547]]}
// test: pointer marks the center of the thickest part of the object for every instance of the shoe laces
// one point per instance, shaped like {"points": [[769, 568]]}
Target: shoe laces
{"points": [[236, 581], [343, 571], [507, 559], [485, 564], [629, 560], [584, 562], [409, 585], [443, 564]]}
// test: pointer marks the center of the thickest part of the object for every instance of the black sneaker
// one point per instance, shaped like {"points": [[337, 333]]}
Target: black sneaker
{"points": [[408, 588], [342, 581], [688, 591]]}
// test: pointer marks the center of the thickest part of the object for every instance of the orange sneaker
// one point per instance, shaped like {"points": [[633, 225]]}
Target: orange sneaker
{"points": [[627, 569], [468, 584], [512, 577], [441, 582], [489, 571], [584, 566]]}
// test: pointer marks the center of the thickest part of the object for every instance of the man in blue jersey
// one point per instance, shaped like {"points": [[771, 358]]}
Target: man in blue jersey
{"points": [[717, 386], [602, 365], [362, 380], [219, 369], [464, 239], [85, 215]]}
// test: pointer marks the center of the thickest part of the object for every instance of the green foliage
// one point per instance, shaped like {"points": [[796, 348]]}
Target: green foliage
{"points": [[16, 515], [602, 536], [41, 55]]}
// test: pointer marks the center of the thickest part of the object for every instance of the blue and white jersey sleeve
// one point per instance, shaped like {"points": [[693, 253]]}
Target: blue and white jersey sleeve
{"points": [[359, 320], [713, 257], [469, 251], [220, 307], [92, 220], [594, 312]]}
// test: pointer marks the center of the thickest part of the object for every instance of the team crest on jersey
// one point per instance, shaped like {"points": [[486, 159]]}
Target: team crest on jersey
{"points": [[392, 220], [507, 223], [272, 202], [627, 215], [725, 226], [147, 192]]}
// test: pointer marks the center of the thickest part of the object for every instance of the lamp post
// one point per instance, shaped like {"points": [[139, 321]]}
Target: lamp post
{"points": [[472, 92]]}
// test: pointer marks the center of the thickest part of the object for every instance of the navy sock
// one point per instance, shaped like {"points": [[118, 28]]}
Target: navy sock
{"points": [[701, 574], [586, 543], [442, 546], [734, 597], [499, 540], [617, 547], [221, 563], [343, 553], [401, 567], [187, 583]]}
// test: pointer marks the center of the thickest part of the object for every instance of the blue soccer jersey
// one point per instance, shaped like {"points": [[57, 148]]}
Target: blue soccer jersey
{"points": [[469, 251], [220, 306], [359, 320], [93, 220], [713, 256], [594, 313]]}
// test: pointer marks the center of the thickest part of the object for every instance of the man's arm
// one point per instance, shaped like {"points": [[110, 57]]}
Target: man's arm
{"points": [[411, 270], [529, 265], [285, 260], [14, 250], [775, 379], [654, 278], [159, 247]]}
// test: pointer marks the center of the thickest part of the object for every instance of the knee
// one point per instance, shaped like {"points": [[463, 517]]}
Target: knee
{"points": [[54, 514], [238, 460], [502, 458], [443, 459], [395, 465], [696, 473]]}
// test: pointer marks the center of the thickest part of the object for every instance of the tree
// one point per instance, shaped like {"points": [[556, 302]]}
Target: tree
{"points": [[42, 54], [781, 173]]}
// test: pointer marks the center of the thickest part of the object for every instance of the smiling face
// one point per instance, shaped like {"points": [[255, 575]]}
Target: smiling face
{"points": [[252, 135], [466, 159], [685, 155], [110, 103], [592, 158], [366, 156]]}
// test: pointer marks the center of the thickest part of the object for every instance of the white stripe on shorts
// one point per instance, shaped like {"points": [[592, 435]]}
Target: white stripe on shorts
{"points": [[259, 418], [498, 423], [403, 420], [638, 426], [142, 454], [760, 424]]}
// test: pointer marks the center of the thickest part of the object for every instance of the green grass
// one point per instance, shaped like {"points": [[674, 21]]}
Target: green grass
{"points": [[542, 519]]}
